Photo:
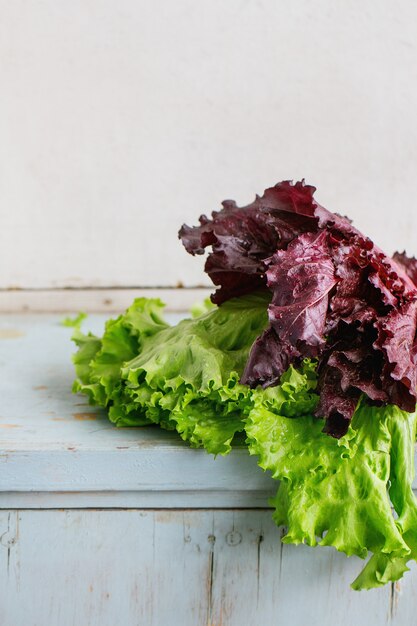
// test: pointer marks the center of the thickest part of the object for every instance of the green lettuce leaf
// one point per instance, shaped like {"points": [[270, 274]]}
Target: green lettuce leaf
{"points": [[201, 308], [183, 377], [335, 492], [74, 322], [98, 361]]}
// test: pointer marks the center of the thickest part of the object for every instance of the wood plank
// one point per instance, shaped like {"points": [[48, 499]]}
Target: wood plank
{"points": [[155, 498], [191, 568], [156, 468], [286, 584], [94, 300], [314, 587]]}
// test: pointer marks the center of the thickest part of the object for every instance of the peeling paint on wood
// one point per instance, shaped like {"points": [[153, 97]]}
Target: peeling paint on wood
{"points": [[10, 333], [152, 567], [85, 416]]}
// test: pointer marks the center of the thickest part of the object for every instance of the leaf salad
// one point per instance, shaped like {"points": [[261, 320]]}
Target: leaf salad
{"points": [[307, 352]]}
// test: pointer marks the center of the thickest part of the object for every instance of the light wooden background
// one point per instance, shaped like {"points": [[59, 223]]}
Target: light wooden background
{"points": [[120, 120]]}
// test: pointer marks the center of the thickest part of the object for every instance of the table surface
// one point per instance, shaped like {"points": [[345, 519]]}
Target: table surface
{"points": [[52, 441], [125, 504]]}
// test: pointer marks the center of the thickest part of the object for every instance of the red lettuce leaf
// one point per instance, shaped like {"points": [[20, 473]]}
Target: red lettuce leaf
{"points": [[408, 264], [243, 237], [396, 339], [300, 279], [336, 297]]}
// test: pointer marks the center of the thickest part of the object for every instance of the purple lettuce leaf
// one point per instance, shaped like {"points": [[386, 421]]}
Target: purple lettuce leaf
{"points": [[407, 264], [243, 237], [300, 279], [336, 297]]}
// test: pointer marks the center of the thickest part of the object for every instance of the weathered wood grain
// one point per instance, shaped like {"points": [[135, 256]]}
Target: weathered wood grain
{"points": [[181, 568], [94, 300]]}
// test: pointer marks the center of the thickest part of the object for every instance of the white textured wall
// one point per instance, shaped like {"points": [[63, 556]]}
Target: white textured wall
{"points": [[120, 120]]}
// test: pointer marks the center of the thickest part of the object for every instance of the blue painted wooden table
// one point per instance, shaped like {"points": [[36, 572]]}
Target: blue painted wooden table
{"points": [[102, 526]]}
